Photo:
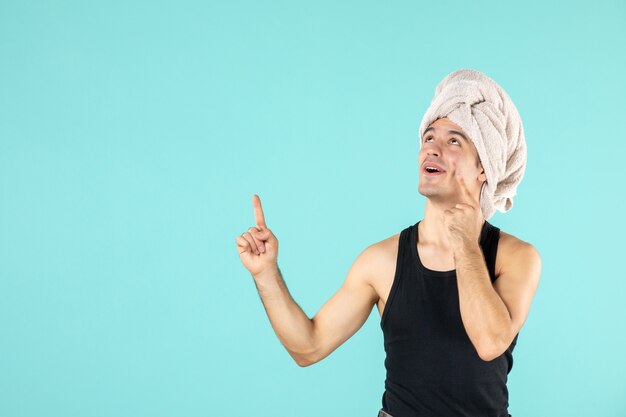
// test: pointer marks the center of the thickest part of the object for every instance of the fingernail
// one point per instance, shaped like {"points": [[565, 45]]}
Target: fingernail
{"points": [[262, 248]]}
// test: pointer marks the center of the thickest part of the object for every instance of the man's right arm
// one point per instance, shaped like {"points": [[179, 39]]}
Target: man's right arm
{"points": [[310, 340]]}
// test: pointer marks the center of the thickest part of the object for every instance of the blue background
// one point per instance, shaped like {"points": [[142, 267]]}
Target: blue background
{"points": [[134, 134]]}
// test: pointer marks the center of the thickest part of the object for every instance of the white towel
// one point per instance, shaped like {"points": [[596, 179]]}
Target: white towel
{"points": [[487, 114]]}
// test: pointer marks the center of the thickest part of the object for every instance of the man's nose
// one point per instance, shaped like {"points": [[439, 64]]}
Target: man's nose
{"points": [[433, 150]]}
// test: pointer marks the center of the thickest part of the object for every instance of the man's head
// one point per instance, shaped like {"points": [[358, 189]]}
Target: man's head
{"points": [[447, 147], [485, 113]]}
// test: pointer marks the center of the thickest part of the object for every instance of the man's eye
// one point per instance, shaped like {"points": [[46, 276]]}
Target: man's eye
{"points": [[430, 137]]}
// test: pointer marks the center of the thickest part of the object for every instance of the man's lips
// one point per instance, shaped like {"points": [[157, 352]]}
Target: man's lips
{"points": [[432, 174], [426, 165]]}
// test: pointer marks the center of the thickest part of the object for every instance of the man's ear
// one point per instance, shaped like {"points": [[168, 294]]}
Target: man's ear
{"points": [[482, 176]]}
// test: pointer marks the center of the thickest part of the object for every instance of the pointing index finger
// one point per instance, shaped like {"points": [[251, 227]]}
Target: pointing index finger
{"points": [[258, 212], [466, 192]]}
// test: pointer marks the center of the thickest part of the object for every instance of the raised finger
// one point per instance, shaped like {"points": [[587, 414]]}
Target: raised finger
{"points": [[259, 217], [465, 191]]}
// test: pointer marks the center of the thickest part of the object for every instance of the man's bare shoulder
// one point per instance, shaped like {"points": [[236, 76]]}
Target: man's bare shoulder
{"points": [[379, 259], [510, 247], [384, 250]]}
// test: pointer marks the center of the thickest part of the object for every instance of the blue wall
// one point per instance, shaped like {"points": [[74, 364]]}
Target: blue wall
{"points": [[134, 134]]}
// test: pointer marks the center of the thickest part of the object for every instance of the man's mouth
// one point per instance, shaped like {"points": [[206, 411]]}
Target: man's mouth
{"points": [[432, 171]]}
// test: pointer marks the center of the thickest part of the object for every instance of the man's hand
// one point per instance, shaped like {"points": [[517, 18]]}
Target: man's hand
{"points": [[258, 247], [465, 220]]}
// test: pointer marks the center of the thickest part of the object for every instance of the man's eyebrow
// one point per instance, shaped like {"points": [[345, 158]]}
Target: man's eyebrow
{"points": [[454, 132]]}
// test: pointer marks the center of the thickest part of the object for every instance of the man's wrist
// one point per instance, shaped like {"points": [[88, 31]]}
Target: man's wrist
{"points": [[271, 273], [467, 249]]}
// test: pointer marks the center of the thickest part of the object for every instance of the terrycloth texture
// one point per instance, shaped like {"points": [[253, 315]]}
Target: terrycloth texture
{"points": [[487, 114]]}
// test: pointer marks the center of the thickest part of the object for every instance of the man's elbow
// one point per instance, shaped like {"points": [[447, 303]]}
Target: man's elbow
{"points": [[303, 363], [491, 351], [488, 356], [304, 360]]}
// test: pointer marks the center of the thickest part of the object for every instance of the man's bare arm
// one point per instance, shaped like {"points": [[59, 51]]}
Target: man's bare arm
{"points": [[310, 340], [493, 314], [307, 340]]}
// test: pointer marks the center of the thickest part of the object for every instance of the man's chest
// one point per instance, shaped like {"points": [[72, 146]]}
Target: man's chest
{"points": [[430, 258]]}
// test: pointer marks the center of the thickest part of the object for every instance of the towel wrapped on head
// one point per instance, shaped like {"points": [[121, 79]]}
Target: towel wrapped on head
{"points": [[487, 114]]}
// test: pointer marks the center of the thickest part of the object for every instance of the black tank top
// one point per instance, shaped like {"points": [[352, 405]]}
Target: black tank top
{"points": [[433, 369]]}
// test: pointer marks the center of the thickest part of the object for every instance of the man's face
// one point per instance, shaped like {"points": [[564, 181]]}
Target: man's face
{"points": [[449, 148]]}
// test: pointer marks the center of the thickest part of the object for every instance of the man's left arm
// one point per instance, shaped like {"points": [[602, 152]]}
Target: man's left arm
{"points": [[494, 313]]}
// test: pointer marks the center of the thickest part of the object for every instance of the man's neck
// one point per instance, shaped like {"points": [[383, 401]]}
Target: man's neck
{"points": [[432, 230]]}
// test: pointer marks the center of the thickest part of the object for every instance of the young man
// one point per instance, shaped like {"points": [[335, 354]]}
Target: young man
{"points": [[453, 291]]}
